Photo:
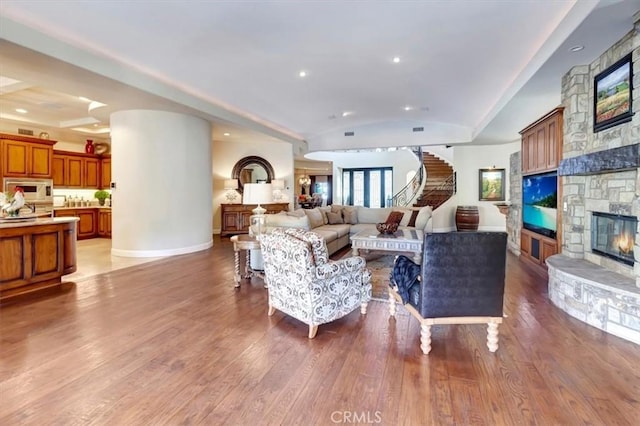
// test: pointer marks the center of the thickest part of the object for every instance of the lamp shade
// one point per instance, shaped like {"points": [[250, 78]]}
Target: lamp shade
{"points": [[277, 183], [231, 184], [257, 193]]}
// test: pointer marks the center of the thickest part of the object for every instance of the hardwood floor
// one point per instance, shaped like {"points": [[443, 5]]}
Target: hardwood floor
{"points": [[172, 342]]}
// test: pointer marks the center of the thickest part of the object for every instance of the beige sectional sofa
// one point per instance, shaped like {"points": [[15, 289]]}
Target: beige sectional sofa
{"points": [[337, 223]]}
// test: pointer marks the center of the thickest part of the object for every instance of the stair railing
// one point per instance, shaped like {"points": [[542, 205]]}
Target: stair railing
{"points": [[447, 189], [405, 196]]}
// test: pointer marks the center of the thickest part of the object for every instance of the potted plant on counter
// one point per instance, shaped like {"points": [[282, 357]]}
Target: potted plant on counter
{"points": [[101, 195]]}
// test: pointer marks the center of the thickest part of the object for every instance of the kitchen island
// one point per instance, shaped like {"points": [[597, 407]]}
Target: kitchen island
{"points": [[35, 254]]}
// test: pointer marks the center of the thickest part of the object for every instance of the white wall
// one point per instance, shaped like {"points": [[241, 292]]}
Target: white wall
{"points": [[467, 162], [226, 154], [161, 165]]}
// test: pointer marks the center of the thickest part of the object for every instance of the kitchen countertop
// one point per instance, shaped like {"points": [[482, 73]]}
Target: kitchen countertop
{"points": [[16, 223]]}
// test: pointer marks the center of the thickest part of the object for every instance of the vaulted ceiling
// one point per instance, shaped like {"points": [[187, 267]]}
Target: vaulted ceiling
{"points": [[466, 71]]}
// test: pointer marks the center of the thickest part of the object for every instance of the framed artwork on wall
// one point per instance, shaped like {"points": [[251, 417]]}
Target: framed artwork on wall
{"points": [[612, 95], [491, 186]]}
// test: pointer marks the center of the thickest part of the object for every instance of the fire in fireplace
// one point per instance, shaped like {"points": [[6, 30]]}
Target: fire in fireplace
{"points": [[613, 236]]}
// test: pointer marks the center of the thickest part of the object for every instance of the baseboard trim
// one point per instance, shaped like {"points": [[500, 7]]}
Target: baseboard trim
{"points": [[162, 253]]}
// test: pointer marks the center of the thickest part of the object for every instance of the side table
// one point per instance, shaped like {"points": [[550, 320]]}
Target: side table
{"points": [[247, 243]]}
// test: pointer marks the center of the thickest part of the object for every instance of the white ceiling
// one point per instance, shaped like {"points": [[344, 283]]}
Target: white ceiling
{"points": [[471, 71]]}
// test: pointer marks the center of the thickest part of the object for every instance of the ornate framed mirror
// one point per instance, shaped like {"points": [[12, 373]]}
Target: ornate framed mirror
{"points": [[252, 169]]}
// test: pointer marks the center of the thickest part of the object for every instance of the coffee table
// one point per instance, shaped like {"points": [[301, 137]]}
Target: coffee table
{"points": [[405, 240]]}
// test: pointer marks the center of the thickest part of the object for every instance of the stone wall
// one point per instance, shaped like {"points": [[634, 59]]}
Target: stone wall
{"points": [[514, 221], [611, 192]]}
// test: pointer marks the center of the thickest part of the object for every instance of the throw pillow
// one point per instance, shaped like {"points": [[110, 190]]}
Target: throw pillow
{"points": [[336, 208], [334, 218], [406, 217], [315, 217], [324, 211], [414, 215], [350, 215], [394, 217], [423, 217]]}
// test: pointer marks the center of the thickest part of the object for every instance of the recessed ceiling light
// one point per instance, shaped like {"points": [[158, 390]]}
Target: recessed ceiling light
{"points": [[576, 48], [227, 134], [95, 125], [302, 73], [21, 110], [347, 113], [396, 59], [408, 108]]}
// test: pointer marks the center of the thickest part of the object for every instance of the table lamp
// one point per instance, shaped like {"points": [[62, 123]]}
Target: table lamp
{"points": [[231, 185], [257, 193], [278, 186]]}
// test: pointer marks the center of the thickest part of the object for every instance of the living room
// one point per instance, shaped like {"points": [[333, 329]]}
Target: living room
{"points": [[173, 341]]}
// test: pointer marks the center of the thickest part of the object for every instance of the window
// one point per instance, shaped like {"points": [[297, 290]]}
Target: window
{"points": [[367, 187]]}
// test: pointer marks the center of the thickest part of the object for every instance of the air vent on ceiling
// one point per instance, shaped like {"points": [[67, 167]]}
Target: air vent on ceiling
{"points": [[349, 133], [25, 132], [418, 129]]}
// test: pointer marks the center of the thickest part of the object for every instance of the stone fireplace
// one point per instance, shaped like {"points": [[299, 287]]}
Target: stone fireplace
{"points": [[593, 279]]}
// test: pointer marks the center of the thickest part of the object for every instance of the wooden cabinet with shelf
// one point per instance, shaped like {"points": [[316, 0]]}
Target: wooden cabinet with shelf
{"points": [[541, 153], [87, 226], [22, 156], [537, 248], [104, 223], [76, 170], [235, 217], [541, 143]]}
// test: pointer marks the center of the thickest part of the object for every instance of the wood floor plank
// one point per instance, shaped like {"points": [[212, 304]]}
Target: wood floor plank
{"points": [[173, 342]]}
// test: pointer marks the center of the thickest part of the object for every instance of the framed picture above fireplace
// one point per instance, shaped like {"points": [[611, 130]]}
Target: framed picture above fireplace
{"points": [[612, 95]]}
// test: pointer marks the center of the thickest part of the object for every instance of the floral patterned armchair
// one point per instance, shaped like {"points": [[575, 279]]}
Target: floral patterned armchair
{"points": [[305, 284]]}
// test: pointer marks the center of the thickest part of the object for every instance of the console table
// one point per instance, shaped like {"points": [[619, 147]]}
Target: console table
{"points": [[235, 217]]}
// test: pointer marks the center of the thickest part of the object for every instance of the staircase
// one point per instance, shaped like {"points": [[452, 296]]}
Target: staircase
{"points": [[440, 182]]}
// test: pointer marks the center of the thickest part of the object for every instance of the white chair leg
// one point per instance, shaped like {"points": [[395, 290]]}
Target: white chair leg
{"points": [[425, 338], [313, 329], [363, 308], [492, 336], [271, 310]]}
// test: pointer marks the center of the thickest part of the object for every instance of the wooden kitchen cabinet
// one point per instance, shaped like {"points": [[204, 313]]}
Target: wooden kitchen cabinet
{"points": [[105, 173], [87, 226], [22, 156], [542, 143], [76, 170], [235, 217], [104, 223]]}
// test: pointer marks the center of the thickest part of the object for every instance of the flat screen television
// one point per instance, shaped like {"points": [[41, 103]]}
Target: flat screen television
{"points": [[540, 203]]}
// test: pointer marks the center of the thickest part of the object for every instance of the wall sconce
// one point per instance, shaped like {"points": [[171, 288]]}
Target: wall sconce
{"points": [[278, 186], [231, 185]]}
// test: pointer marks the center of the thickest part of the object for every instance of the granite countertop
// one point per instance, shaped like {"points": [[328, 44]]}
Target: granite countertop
{"points": [[22, 222]]}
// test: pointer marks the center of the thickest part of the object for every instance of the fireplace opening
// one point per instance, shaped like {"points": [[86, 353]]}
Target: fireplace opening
{"points": [[613, 236]]}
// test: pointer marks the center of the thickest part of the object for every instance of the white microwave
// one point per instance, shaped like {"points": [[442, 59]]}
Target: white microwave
{"points": [[38, 191]]}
